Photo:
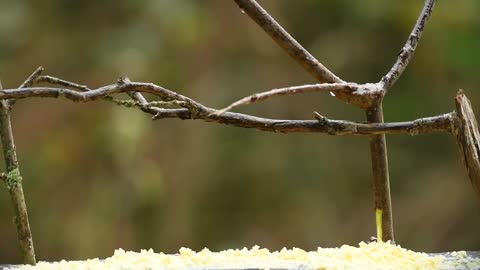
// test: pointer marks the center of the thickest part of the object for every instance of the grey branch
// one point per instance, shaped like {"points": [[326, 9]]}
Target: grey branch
{"points": [[354, 90], [60, 82], [13, 179], [28, 82], [308, 88], [408, 50], [287, 42], [32, 78], [364, 99], [192, 109], [140, 101]]}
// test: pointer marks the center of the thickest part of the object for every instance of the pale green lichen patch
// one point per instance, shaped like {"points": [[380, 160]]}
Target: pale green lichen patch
{"points": [[13, 178]]}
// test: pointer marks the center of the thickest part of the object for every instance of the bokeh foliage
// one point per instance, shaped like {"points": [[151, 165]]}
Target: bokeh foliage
{"points": [[99, 177]]}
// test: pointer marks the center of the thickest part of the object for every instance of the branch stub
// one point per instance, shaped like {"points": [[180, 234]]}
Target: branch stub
{"points": [[468, 139]]}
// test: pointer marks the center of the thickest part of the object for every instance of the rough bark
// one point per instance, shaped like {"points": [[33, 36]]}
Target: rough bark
{"points": [[468, 139]]}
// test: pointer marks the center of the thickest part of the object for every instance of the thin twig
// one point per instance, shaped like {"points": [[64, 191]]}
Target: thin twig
{"points": [[408, 50], [32, 78], [129, 103], [381, 182], [94, 94], [287, 42], [61, 82], [441, 123], [195, 110], [13, 181], [378, 146], [302, 56], [308, 88], [143, 103], [29, 82]]}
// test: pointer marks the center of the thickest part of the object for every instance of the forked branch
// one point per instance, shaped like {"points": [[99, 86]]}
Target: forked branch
{"points": [[191, 109], [369, 100]]}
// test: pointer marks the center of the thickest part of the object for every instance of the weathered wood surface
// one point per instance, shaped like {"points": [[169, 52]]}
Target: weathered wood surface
{"points": [[468, 139], [471, 255]]}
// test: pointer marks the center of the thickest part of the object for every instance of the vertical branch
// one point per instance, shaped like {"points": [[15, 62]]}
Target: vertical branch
{"points": [[13, 181], [378, 146], [381, 184]]}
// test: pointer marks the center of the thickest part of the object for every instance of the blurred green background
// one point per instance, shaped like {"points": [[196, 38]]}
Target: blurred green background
{"points": [[99, 177]]}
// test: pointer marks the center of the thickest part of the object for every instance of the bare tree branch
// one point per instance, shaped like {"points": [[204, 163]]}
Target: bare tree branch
{"points": [[302, 56], [308, 88], [13, 179], [142, 103], [60, 82], [194, 110], [29, 82], [32, 78], [408, 50], [287, 42], [378, 145], [121, 87], [354, 90], [381, 182]]}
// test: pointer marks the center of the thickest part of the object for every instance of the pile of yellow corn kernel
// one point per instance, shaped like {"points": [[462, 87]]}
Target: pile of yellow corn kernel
{"points": [[367, 256]]}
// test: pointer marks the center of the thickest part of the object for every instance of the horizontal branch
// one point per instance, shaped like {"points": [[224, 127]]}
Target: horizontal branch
{"points": [[441, 123], [192, 109], [32, 78], [354, 90], [308, 88]]}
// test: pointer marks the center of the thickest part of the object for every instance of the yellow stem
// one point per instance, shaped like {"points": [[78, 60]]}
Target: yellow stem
{"points": [[379, 214]]}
